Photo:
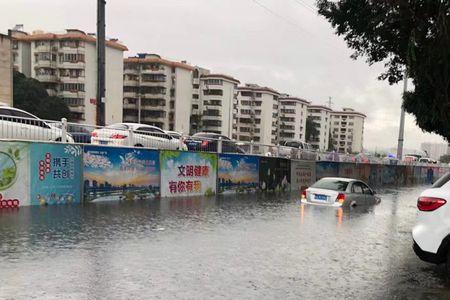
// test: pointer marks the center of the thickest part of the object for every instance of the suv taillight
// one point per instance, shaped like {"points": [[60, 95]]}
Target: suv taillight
{"points": [[118, 136], [429, 203], [94, 134], [205, 144]]}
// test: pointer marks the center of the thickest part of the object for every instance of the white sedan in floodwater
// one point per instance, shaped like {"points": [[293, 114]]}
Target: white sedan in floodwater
{"points": [[337, 191]]}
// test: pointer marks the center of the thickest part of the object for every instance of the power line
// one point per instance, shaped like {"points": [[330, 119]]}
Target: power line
{"points": [[286, 20], [307, 6]]}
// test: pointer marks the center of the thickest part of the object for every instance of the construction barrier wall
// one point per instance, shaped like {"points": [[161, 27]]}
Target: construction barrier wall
{"points": [[35, 173]]}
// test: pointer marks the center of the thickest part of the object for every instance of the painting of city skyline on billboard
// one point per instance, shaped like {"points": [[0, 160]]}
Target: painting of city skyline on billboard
{"points": [[238, 173], [120, 174]]}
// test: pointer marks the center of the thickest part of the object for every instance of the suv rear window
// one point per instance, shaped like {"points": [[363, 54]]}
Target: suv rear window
{"points": [[441, 181], [331, 184]]}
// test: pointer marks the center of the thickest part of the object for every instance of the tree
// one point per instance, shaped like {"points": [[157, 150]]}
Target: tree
{"points": [[331, 141], [445, 159], [30, 95], [412, 34], [311, 131]]}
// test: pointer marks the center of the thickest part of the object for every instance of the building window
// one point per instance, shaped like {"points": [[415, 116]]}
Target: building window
{"points": [[195, 86], [72, 87], [71, 57], [214, 82], [74, 101], [194, 106], [194, 96], [213, 92]]}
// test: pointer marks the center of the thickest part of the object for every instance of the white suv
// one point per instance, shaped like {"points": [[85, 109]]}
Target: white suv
{"points": [[17, 124], [431, 234]]}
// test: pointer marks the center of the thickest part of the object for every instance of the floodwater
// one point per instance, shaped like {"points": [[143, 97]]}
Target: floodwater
{"points": [[246, 247]]}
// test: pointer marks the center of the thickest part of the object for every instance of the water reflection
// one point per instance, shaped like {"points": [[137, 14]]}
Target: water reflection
{"points": [[246, 246]]}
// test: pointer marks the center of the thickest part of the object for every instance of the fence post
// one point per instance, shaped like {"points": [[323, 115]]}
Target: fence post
{"points": [[130, 137], [219, 145], [64, 130], [251, 147]]}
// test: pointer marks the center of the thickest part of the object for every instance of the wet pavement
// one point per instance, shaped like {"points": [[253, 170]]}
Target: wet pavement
{"points": [[246, 247]]}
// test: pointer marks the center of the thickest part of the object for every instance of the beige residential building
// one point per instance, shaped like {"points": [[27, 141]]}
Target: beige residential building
{"points": [[321, 115], [196, 111], [66, 63], [292, 118], [6, 75], [256, 114], [347, 130], [158, 92], [218, 96]]}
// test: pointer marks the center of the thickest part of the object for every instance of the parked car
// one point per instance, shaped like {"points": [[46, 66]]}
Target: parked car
{"points": [[431, 233], [137, 135], [174, 134], [337, 191], [19, 124], [296, 149], [207, 141], [80, 133], [427, 160]]}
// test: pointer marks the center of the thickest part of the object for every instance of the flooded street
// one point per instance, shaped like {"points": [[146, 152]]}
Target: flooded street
{"points": [[225, 248]]}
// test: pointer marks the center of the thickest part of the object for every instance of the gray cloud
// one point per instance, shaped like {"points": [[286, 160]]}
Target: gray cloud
{"points": [[241, 39]]}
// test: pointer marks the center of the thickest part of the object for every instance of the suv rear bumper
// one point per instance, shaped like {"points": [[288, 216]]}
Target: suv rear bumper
{"points": [[430, 257]]}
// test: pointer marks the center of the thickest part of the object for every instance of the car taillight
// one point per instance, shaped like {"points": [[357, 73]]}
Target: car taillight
{"points": [[94, 134], [303, 194], [205, 144], [340, 198], [118, 136], [429, 203]]}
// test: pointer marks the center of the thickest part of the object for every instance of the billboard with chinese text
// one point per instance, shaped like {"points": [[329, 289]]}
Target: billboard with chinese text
{"points": [[237, 173], [113, 173], [14, 173], [303, 174], [55, 174], [188, 173]]}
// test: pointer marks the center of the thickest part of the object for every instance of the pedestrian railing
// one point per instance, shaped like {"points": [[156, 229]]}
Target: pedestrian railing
{"points": [[30, 129]]}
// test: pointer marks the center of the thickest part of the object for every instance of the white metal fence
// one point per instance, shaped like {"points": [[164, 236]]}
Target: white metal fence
{"points": [[30, 129]]}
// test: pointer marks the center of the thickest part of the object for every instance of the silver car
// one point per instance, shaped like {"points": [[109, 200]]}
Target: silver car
{"points": [[340, 192]]}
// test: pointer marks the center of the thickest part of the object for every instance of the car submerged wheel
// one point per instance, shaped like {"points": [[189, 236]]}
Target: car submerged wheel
{"points": [[138, 145]]}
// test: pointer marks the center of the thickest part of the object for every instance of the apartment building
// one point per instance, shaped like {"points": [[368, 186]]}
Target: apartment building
{"points": [[196, 112], [6, 80], [66, 63], [158, 92], [347, 127], [218, 95], [321, 115], [293, 112], [256, 114]]}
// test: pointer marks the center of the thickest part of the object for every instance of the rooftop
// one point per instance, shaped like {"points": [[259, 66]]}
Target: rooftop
{"points": [[226, 77], [155, 58]]}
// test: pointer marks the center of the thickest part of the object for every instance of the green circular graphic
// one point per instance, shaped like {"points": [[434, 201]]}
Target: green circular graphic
{"points": [[8, 171]]}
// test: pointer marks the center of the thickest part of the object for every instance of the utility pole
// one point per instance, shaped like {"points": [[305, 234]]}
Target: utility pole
{"points": [[100, 102], [401, 132]]}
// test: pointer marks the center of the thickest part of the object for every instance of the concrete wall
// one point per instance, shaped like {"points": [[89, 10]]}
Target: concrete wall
{"points": [[6, 81], [36, 173]]}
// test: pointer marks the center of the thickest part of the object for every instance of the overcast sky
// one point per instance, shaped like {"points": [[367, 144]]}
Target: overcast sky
{"points": [[290, 49]]}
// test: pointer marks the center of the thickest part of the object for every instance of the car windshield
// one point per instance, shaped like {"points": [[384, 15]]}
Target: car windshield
{"points": [[331, 184], [118, 126]]}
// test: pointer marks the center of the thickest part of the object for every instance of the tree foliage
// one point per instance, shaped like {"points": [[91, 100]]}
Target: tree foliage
{"points": [[311, 131], [30, 95], [412, 34]]}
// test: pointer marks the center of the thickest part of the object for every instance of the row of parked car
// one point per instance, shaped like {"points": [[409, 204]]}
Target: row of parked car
{"points": [[18, 124]]}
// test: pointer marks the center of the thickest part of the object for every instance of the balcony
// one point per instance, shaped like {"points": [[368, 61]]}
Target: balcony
{"points": [[153, 119], [72, 79], [72, 50], [129, 94], [152, 71], [72, 64], [130, 118], [45, 64], [130, 71], [152, 96], [71, 94], [212, 128], [77, 109], [128, 82], [46, 78], [162, 84], [130, 106]]}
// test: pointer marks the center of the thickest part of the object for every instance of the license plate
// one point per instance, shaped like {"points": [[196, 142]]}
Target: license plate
{"points": [[103, 142], [321, 197]]}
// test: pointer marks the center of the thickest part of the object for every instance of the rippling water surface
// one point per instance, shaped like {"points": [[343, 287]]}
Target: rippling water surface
{"points": [[246, 247]]}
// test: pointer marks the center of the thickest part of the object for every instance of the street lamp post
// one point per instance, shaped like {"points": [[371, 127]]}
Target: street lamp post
{"points": [[100, 102], [401, 133]]}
